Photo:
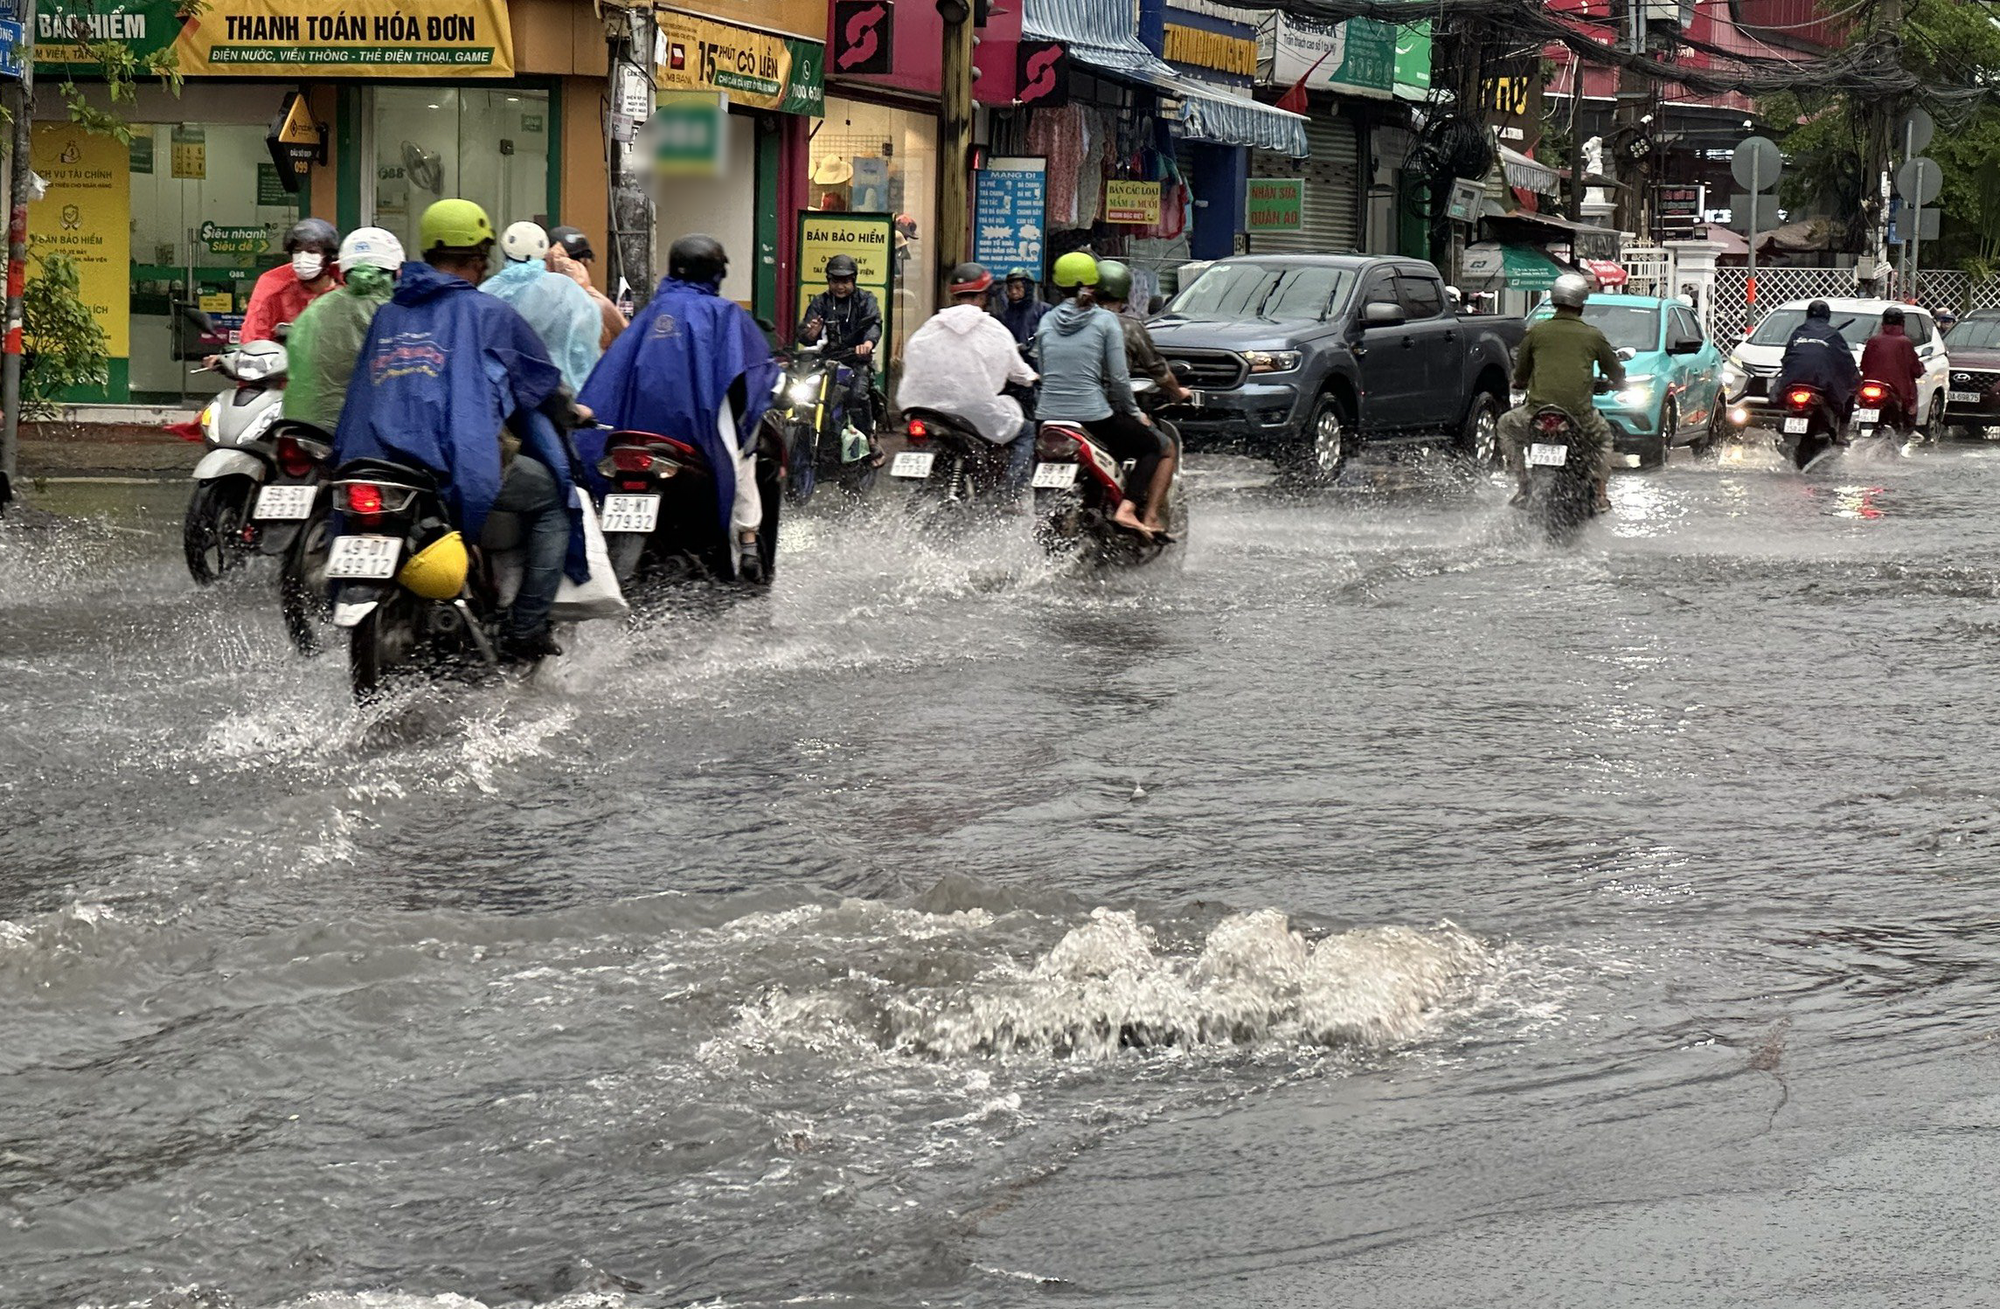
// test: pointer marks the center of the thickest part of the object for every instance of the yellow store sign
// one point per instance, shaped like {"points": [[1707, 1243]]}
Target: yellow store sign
{"points": [[87, 215], [1218, 50], [353, 38]]}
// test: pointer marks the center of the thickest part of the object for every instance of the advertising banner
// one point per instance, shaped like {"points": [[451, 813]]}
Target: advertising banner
{"points": [[869, 239], [87, 215], [144, 27], [757, 69], [1275, 204], [1009, 212], [1357, 57], [1137, 203], [352, 38]]}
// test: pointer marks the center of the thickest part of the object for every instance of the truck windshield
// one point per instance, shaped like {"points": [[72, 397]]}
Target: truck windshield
{"points": [[1270, 291], [1854, 325]]}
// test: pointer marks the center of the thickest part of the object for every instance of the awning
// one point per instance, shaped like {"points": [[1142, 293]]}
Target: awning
{"points": [[1520, 266], [1100, 35], [1527, 174], [1607, 273]]}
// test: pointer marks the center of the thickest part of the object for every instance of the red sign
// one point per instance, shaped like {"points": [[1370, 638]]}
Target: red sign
{"points": [[909, 39], [861, 38], [1042, 71]]}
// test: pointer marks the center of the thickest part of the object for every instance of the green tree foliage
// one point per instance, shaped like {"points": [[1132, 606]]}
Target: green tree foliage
{"points": [[67, 347]]}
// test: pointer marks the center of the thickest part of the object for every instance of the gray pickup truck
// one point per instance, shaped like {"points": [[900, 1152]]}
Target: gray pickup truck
{"points": [[1301, 358]]}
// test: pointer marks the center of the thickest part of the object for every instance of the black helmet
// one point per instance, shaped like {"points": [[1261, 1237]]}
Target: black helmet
{"points": [[1819, 309], [698, 257], [313, 234], [971, 279], [1892, 316], [1021, 275], [842, 266], [574, 243]]}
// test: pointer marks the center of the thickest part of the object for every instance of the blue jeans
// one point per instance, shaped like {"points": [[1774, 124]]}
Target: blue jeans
{"points": [[1020, 459], [529, 489]]}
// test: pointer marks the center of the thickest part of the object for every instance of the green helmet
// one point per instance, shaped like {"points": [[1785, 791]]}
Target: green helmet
{"points": [[1075, 269], [1114, 280], [454, 225]]}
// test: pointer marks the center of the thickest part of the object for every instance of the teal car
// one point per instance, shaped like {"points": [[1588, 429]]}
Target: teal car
{"points": [[1673, 378]]}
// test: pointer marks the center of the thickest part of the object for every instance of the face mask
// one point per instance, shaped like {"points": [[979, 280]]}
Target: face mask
{"points": [[308, 265]]}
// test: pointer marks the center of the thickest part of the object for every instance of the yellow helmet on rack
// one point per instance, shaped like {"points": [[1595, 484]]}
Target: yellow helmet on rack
{"points": [[437, 572]]}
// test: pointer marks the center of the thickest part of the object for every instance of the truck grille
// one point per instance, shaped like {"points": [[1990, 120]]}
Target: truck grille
{"points": [[1209, 370]]}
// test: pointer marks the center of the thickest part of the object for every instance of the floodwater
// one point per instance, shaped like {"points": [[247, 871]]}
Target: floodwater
{"points": [[1383, 908]]}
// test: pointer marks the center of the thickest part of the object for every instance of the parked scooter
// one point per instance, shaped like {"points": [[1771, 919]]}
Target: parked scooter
{"points": [[812, 404], [228, 516], [660, 521], [1812, 429]]}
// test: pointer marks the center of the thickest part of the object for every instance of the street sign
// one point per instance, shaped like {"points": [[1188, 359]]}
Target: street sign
{"points": [[12, 37], [1927, 225], [1915, 131], [1919, 180], [1755, 164], [1741, 211]]}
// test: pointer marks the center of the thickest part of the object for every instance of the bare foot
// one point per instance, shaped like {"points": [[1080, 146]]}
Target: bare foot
{"points": [[1129, 520]]}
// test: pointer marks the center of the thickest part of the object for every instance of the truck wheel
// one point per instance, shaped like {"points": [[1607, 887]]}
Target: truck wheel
{"points": [[1479, 443], [1319, 458]]}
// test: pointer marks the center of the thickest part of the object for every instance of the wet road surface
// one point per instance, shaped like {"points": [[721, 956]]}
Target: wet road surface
{"points": [[1383, 908]]}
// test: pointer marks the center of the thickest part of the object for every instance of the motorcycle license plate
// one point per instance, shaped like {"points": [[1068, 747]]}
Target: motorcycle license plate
{"points": [[1542, 455], [913, 464], [1798, 425], [1054, 477], [1964, 397], [363, 556], [1868, 415], [286, 501], [631, 513]]}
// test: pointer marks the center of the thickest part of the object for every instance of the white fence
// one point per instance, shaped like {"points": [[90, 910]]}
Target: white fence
{"points": [[1729, 307]]}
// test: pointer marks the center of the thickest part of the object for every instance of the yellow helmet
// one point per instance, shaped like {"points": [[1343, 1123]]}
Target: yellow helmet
{"points": [[1077, 268], [454, 225], [436, 572]]}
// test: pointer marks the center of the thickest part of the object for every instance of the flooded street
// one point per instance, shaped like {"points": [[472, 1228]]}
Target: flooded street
{"points": [[1383, 908]]}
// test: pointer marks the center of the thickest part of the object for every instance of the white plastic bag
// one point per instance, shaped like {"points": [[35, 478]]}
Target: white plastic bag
{"points": [[599, 597]]}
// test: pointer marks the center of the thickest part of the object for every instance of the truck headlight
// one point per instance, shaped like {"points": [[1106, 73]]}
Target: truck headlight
{"points": [[1272, 361]]}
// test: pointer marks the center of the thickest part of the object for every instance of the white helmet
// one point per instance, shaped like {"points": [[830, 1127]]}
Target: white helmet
{"points": [[1571, 290], [372, 246], [524, 241]]}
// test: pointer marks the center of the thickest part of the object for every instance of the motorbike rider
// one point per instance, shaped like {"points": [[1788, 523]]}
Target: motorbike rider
{"points": [[326, 339], [695, 366], [1024, 309], [561, 312], [283, 293], [960, 362], [851, 322], [1818, 356], [1553, 365], [1081, 349], [570, 254], [1142, 357], [1890, 357], [459, 383]]}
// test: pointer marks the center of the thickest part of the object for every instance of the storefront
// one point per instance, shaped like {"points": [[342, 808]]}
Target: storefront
{"points": [[768, 58], [418, 99]]}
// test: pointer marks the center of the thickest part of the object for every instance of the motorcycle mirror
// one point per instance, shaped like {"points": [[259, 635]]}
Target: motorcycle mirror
{"points": [[1627, 352], [769, 327], [199, 318], [1181, 369]]}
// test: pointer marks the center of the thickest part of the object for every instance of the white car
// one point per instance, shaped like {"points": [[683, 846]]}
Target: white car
{"points": [[1752, 367]]}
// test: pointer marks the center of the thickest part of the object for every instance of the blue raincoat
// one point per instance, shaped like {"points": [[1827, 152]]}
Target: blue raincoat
{"points": [[561, 312], [443, 370], [669, 372]]}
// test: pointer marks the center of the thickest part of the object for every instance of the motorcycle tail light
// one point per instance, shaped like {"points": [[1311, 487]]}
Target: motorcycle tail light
{"points": [[1874, 393], [920, 432], [362, 501], [628, 460], [294, 459], [1056, 445], [1549, 423], [1799, 397]]}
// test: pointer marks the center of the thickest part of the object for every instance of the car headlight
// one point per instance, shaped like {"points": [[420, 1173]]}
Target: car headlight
{"points": [[1272, 361], [1637, 392], [1733, 376], [805, 390]]}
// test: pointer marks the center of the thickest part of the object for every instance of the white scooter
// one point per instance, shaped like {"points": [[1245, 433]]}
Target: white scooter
{"points": [[233, 512]]}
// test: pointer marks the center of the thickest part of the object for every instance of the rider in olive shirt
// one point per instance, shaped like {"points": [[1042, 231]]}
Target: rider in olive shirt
{"points": [[1554, 366]]}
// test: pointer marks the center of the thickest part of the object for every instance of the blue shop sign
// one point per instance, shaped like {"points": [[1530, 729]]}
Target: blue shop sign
{"points": [[1009, 214]]}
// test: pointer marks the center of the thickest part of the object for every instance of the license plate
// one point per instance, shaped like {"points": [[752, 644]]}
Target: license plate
{"points": [[630, 513], [1054, 477], [286, 501], [1868, 415], [1965, 397], [363, 556], [1548, 456], [1798, 425], [913, 463]]}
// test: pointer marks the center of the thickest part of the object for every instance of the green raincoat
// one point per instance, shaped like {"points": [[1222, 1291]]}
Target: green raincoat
{"points": [[325, 342]]}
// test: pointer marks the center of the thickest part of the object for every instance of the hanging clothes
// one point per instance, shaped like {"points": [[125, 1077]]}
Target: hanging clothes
{"points": [[1059, 135]]}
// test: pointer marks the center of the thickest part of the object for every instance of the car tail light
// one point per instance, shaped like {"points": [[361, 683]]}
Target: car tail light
{"points": [[1874, 393], [1799, 397], [293, 458], [920, 432]]}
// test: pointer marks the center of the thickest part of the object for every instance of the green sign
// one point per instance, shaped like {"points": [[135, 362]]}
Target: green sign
{"points": [[1275, 204], [64, 29], [688, 132], [270, 190], [1358, 55], [1370, 63], [222, 240], [1413, 60]]}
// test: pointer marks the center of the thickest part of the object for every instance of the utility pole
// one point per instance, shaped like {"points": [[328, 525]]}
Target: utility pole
{"points": [[20, 102], [631, 36], [954, 215], [1575, 138], [1627, 127]]}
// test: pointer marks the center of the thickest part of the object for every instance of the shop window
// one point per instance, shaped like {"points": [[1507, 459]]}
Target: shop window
{"points": [[875, 159], [435, 142], [208, 216]]}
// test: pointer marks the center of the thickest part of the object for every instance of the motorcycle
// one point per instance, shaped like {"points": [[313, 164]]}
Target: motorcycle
{"points": [[1078, 485], [235, 511], [304, 455], [950, 464], [812, 403], [660, 522], [1811, 428], [1878, 413], [1562, 477]]}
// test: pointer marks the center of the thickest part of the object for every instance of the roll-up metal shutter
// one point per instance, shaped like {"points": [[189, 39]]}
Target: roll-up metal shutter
{"points": [[1332, 218]]}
